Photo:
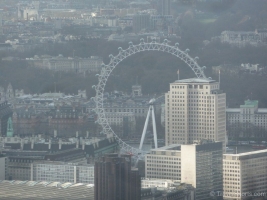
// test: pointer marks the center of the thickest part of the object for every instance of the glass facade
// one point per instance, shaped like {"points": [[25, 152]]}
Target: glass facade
{"points": [[209, 177], [58, 172]]}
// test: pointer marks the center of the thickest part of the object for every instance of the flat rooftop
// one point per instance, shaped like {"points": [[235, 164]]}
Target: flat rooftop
{"points": [[196, 80], [32, 190], [233, 110], [248, 155], [238, 110], [170, 147]]}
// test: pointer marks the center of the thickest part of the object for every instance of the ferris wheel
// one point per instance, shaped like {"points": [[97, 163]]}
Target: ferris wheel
{"points": [[114, 61]]}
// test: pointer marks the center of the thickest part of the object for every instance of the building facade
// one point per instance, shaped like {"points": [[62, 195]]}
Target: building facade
{"points": [[140, 21], [164, 163], [195, 110], [157, 183], [245, 175], [198, 164], [5, 114], [201, 166], [62, 172], [243, 38], [166, 7], [247, 121], [3, 167], [60, 63], [114, 179]]}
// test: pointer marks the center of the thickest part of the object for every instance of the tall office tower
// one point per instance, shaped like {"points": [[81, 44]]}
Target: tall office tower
{"points": [[3, 166], [140, 21], [114, 179], [5, 114], [165, 7], [202, 167], [1, 22], [245, 175], [195, 110]]}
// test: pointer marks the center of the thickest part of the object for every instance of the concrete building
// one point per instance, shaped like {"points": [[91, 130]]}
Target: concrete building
{"points": [[19, 168], [164, 163], [122, 122], [60, 63], [62, 172], [157, 183], [246, 116], [5, 114], [201, 166], [140, 21], [165, 7], [243, 38], [1, 22], [179, 192], [22, 152], [198, 164], [136, 90], [252, 68], [10, 92], [115, 180], [195, 110], [3, 167], [245, 175]]}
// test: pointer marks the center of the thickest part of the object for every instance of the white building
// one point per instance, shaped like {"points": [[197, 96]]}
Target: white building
{"points": [[118, 118], [62, 172], [195, 110], [60, 63], [250, 67], [245, 175], [198, 164], [243, 38], [158, 183], [246, 116], [164, 163]]}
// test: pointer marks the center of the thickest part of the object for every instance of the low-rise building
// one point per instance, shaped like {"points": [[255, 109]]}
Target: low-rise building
{"points": [[158, 183], [62, 172], [60, 63], [164, 163], [243, 38], [246, 121], [45, 190], [198, 164]]}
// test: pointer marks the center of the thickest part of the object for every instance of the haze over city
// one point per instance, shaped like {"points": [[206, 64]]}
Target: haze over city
{"points": [[133, 100]]}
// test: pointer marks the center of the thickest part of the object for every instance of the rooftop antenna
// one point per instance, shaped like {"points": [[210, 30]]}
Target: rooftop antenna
{"points": [[178, 73], [137, 80]]}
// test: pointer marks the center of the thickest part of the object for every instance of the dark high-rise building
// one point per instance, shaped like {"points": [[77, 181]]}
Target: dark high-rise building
{"points": [[5, 113], [115, 180], [165, 7], [141, 21]]}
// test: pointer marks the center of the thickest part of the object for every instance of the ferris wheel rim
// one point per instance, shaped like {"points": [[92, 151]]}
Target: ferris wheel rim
{"points": [[114, 61]]}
